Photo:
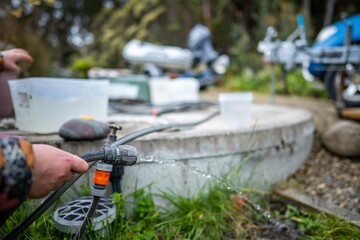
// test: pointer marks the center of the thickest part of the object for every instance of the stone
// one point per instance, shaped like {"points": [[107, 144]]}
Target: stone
{"points": [[84, 129], [343, 138]]}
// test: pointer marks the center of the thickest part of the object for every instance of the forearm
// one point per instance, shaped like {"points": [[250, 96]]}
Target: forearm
{"points": [[16, 163], [2, 62]]}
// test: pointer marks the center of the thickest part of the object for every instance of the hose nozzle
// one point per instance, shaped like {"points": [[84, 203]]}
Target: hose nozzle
{"points": [[124, 155]]}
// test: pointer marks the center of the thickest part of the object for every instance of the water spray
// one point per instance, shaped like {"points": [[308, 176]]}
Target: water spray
{"points": [[74, 216]]}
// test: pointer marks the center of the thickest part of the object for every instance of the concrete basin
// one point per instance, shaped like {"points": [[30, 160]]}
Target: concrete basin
{"points": [[275, 146]]}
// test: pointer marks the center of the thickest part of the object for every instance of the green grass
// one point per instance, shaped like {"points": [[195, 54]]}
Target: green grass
{"points": [[321, 226], [208, 215], [261, 82]]}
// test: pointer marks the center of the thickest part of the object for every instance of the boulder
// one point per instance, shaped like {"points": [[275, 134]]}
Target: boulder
{"points": [[343, 138]]}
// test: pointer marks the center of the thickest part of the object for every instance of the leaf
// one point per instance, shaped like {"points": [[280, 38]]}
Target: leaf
{"points": [[17, 12]]}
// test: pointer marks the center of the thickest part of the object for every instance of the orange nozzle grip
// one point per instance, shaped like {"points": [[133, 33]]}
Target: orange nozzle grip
{"points": [[101, 177]]}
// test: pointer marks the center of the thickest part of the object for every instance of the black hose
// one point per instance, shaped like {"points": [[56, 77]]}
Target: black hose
{"points": [[148, 109], [91, 157], [88, 217], [115, 178], [145, 131]]}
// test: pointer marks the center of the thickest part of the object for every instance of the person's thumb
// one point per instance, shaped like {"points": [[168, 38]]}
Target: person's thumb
{"points": [[79, 165]]}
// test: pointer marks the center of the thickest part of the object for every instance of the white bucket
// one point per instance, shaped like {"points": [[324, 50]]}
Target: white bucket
{"points": [[42, 105], [235, 109]]}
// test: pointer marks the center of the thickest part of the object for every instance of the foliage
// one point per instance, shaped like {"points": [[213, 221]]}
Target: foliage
{"points": [[214, 214], [160, 22], [202, 217], [130, 21], [320, 226], [12, 35], [260, 81], [242, 53], [81, 66], [66, 28], [23, 5], [63, 26], [42, 228]]}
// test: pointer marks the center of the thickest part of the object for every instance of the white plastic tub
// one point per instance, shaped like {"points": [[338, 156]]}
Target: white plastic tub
{"points": [[165, 91], [42, 105], [235, 109]]}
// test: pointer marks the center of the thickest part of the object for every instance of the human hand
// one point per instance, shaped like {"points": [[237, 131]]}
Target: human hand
{"points": [[52, 168], [13, 56]]}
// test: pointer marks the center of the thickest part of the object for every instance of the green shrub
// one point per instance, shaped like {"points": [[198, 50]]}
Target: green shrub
{"points": [[261, 81], [81, 66]]}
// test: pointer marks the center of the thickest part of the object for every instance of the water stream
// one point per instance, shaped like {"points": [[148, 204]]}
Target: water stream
{"points": [[173, 163]]}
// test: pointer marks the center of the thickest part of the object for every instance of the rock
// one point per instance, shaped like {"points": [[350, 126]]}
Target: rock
{"points": [[343, 138], [84, 129]]}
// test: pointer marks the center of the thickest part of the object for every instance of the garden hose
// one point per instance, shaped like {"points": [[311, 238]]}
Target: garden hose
{"points": [[160, 128], [89, 214], [91, 158]]}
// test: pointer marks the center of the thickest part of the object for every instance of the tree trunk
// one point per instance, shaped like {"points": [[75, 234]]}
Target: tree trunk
{"points": [[329, 12], [206, 8], [306, 6], [307, 9]]}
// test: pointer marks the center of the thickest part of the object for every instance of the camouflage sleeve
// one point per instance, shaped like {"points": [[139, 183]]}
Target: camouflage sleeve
{"points": [[16, 162]]}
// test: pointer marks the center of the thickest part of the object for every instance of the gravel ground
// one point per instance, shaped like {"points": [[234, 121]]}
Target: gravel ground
{"points": [[333, 178]]}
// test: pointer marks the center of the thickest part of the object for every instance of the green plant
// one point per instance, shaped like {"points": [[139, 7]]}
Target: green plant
{"points": [[42, 228], [261, 82], [321, 226], [81, 66], [202, 217], [212, 214]]}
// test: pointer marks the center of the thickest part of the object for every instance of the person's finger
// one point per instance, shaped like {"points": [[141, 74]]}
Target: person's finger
{"points": [[68, 177], [23, 55], [79, 165]]}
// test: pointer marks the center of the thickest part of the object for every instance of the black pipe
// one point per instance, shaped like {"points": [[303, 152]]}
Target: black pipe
{"points": [[115, 178], [145, 131], [88, 217]]}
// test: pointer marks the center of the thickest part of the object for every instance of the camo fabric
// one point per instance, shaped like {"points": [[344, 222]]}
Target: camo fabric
{"points": [[16, 162]]}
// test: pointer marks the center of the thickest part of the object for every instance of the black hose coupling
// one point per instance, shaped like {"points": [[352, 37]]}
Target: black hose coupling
{"points": [[123, 155]]}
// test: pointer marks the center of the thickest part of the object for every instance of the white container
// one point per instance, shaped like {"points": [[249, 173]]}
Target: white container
{"points": [[235, 109], [168, 91], [42, 105]]}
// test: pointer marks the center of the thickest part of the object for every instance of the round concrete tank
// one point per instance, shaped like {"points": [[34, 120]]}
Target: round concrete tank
{"points": [[275, 146]]}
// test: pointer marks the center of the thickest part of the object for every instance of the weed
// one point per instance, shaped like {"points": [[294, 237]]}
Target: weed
{"points": [[211, 214], [321, 226]]}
